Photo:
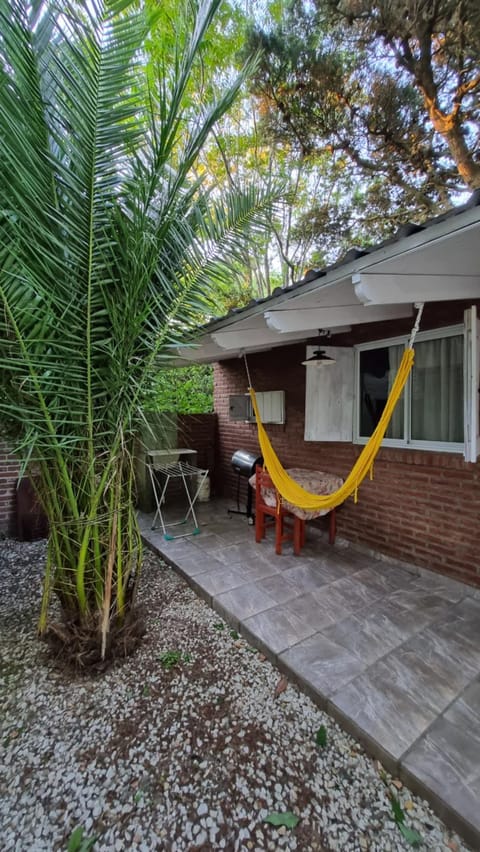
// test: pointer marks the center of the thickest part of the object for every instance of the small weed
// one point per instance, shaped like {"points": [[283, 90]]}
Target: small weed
{"points": [[219, 626], [234, 634], [288, 819], [138, 796], [172, 658], [321, 737], [146, 691], [411, 835], [79, 842]]}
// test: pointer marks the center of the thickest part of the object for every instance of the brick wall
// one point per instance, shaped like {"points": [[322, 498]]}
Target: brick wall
{"points": [[9, 469], [421, 507]]}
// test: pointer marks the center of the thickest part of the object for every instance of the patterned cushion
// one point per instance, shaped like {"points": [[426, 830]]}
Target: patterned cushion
{"points": [[315, 481]]}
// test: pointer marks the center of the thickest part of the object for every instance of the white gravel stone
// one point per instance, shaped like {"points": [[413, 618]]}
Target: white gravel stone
{"points": [[147, 759]]}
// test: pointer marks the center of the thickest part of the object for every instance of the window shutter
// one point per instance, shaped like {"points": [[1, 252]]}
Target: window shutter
{"points": [[329, 397], [471, 395]]}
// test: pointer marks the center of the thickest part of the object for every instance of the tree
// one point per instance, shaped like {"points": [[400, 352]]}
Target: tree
{"points": [[108, 247], [185, 390], [389, 91], [437, 46]]}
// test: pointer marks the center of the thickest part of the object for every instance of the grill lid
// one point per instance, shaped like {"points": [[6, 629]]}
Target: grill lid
{"points": [[244, 462]]}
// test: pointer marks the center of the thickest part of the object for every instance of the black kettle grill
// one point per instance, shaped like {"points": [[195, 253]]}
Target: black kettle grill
{"points": [[244, 464]]}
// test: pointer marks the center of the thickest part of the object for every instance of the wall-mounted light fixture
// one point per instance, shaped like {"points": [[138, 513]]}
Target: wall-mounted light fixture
{"points": [[320, 357]]}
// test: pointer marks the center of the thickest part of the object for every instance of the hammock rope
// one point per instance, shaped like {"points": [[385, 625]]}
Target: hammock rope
{"points": [[291, 491]]}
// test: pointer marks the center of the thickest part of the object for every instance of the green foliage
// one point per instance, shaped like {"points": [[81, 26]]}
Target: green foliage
{"points": [[287, 818], [411, 835], [109, 246], [321, 737], [170, 659], [79, 842], [365, 91], [187, 390]]}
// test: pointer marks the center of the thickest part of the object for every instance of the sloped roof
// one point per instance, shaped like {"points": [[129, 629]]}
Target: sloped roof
{"points": [[437, 260]]}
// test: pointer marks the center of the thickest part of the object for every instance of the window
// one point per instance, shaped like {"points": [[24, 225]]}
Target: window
{"points": [[430, 413]]}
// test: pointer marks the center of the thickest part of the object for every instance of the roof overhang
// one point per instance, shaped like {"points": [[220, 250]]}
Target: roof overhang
{"points": [[440, 262]]}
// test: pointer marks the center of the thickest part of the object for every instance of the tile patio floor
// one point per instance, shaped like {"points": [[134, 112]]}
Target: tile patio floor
{"points": [[392, 652]]}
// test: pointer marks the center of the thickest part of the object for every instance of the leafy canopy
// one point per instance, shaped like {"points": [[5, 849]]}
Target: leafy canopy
{"points": [[109, 245]]}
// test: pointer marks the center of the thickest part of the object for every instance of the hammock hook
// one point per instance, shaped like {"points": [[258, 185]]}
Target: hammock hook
{"points": [[420, 306]]}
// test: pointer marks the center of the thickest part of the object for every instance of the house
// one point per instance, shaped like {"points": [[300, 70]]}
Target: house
{"points": [[422, 506]]}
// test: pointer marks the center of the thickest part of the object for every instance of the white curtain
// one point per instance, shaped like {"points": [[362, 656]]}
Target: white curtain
{"points": [[437, 390]]}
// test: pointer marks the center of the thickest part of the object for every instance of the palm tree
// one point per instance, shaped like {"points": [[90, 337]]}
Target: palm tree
{"points": [[107, 250]]}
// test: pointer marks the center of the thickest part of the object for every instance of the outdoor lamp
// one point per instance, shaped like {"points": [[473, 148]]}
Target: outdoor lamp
{"points": [[318, 359]]}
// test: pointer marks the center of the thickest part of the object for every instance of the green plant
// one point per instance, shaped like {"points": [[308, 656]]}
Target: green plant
{"points": [[287, 818], [79, 842], [411, 835], [186, 391], [108, 249], [169, 659], [321, 736]]}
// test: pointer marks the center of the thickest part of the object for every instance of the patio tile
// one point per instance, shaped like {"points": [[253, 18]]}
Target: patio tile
{"points": [[383, 579], [447, 758], [400, 576], [352, 560], [443, 587], [306, 577], [382, 711], [409, 622], [246, 553], [370, 635], [322, 664], [280, 587], [221, 579], [329, 565], [427, 605], [285, 625], [259, 570], [464, 619], [456, 636], [210, 541], [193, 566], [421, 674], [282, 561], [346, 595], [247, 600]]}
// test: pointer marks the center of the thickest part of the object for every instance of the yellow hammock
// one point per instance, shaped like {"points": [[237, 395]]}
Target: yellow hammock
{"points": [[293, 493]]}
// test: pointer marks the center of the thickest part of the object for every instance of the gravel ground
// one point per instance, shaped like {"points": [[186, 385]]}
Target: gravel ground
{"points": [[189, 757]]}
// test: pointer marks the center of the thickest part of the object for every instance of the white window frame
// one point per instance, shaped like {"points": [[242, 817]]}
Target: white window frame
{"points": [[406, 442]]}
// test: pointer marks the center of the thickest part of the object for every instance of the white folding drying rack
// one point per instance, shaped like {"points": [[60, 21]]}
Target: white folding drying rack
{"points": [[161, 462]]}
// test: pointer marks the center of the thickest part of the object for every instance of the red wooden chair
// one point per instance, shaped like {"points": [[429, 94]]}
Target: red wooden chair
{"points": [[288, 527]]}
